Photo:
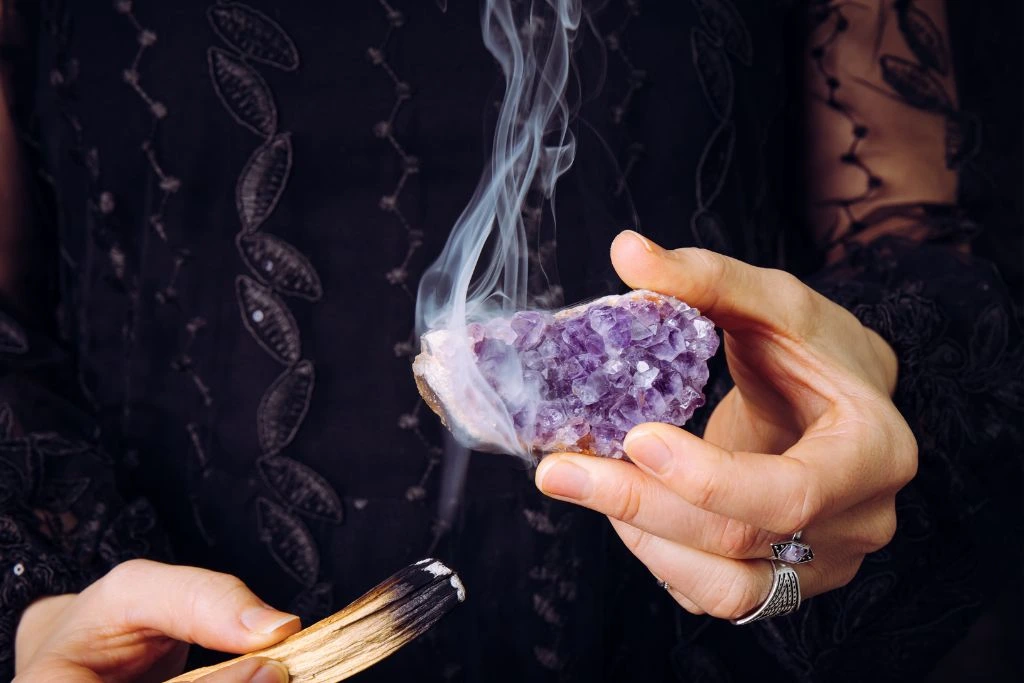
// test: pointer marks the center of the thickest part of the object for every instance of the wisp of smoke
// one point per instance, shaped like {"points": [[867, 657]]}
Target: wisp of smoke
{"points": [[482, 271]]}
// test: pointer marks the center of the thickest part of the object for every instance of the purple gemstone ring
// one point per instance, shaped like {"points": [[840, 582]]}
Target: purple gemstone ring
{"points": [[792, 551]]}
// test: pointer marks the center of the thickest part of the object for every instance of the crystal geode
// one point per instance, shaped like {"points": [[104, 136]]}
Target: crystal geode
{"points": [[574, 380]]}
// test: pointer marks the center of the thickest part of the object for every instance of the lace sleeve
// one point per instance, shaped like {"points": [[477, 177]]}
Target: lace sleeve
{"points": [[884, 134], [957, 334], [63, 522]]}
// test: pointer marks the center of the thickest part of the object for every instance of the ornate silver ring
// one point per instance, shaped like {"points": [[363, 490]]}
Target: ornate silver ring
{"points": [[783, 598]]}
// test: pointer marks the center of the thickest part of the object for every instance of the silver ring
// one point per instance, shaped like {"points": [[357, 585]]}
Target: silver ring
{"points": [[663, 584], [792, 551], [783, 598]]}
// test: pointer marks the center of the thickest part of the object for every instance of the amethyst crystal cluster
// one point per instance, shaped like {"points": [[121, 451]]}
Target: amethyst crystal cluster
{"points": [[579, 379]]}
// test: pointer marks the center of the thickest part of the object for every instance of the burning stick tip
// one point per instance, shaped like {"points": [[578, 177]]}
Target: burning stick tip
{"points": [[460, 590], [435, 567]]}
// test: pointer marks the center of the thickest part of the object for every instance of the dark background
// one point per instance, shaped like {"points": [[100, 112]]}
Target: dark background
{"points": [[986, 38]]}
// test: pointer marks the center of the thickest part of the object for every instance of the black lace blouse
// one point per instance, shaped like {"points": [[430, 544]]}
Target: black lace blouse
{"points": [[234, 202]]}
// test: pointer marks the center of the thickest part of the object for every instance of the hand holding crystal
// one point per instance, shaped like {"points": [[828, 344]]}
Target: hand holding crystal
{"points": [[807, 440]]}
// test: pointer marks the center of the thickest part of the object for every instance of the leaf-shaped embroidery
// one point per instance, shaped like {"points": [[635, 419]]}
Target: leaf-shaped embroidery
{"points": [[243, 92], [963, 138], [280, 265], [709, 232], [6, 421], [714, 164], [923, 38], [10, 534], [724, 22], [254, 34], [58, 495], [864, 599], [128, 535], [12, 481], [197, 518], [284, 406], [262, 181], [289, 541], [1011, 392], [12, 337], [301, 487], [55, 445], [915, 84], [713, 72], [313, 604], [989, 338], [268, 320]]}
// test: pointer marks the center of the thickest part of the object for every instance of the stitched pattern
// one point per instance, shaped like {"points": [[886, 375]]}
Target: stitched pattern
{"points": [[723, 34], [276, 270], [390, 204]]}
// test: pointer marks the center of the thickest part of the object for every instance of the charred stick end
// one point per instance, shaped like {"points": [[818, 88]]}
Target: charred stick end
{"points": [[390, 615]]}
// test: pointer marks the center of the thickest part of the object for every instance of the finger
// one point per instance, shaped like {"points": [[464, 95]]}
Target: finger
{"points": [[622, 491], [252, 670], [822, 475], [732, 293], [861, 530], [685, 602], [723, 587], [189, 604]]}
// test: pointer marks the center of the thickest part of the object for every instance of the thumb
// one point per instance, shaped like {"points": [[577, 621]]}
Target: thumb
{"points": [[735, 295], [252, 670], [189, 604]]}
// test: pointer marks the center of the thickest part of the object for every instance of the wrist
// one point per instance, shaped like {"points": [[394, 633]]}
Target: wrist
{"points": [[35, 626]]}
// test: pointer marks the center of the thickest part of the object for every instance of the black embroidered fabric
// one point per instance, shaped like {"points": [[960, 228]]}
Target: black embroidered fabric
{"points": [[234, 202]]}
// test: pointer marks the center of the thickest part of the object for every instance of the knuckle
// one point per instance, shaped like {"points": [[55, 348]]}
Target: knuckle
{"points": [[210, 593], [128, 571], [737, 597], [714, 265], [739, 540], [907, 450], [703, 487], [222, 587], [884, 531], [869, 539], [628, 501], [897, 439], [639, 543], [800, 516], [801, 301], [715, 269]]}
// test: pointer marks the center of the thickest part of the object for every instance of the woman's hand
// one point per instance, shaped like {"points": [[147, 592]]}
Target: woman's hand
{"points": [[808, 439], [133, 625]]}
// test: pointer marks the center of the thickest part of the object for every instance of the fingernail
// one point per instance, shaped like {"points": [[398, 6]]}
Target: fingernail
{"points": [[270, 672], [564, 480], [264, 620], [647, 244], [648, 450]]}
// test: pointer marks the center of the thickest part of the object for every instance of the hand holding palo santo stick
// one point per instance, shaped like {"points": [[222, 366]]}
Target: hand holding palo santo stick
{"points": [[390, 615]]}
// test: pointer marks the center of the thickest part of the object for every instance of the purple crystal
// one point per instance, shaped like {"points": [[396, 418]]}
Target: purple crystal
{"points": [[593, 372], [795, 553]]}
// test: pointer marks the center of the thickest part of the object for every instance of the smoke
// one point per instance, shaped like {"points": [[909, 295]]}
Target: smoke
{"points": [[483, 271]]}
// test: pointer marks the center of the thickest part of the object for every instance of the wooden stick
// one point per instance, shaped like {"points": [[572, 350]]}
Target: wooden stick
{"points": [[368, 630]]}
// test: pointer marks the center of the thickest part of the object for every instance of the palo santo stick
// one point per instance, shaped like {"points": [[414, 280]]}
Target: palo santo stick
{"points": [[368, 630]]}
